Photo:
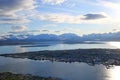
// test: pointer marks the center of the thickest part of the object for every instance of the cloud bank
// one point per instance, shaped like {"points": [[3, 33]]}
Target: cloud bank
{"points": [[94, 16], [19, 28], [63, 18], [53, 2], [10, 10]]}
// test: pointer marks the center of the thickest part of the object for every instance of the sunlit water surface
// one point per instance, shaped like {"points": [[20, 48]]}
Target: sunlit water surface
{"points": [[66, 71], [19, 49]]}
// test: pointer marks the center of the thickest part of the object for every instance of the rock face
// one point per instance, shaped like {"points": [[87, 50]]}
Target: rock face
{"points": [[11, 76]]}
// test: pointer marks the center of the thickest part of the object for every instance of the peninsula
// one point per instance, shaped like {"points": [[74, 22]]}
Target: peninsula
{"points": [[90, 56]]}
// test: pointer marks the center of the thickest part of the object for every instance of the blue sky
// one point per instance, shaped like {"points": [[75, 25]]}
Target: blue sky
{"points": [[59, 16]]}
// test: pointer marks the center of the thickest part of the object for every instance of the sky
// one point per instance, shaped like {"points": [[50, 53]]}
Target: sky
{"points": [[59, 16]]}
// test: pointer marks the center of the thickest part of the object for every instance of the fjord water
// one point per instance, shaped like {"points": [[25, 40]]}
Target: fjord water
{"points": [[66, 71], [57, 46]]}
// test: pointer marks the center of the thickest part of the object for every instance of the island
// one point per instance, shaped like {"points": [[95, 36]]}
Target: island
{"points": [[92, 57], [12, 76]]}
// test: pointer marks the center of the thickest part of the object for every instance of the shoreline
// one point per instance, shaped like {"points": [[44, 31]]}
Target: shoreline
{"points": [[12, 76]]}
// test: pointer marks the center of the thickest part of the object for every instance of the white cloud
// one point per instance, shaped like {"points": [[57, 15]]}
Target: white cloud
{"points": [[60, 18], [19, 28], [111, 7], [108, 4], [15, 5], [14, 20], [10, 10], [64, 18], [53, 2]]}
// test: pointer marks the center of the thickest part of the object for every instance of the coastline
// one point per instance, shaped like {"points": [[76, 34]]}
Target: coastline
{"points": [[12, 76]]}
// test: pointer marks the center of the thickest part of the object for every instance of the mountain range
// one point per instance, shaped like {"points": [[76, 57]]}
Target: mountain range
{"points": [[67, 37]]}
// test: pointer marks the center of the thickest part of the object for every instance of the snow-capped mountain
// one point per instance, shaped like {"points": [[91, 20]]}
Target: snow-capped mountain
{"points": [[63, 37]]}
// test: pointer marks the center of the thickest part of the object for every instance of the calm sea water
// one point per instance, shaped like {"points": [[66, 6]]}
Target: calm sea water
{"points": [[66, 71], [19, 49]]}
